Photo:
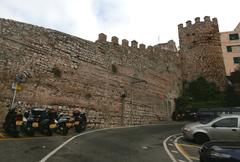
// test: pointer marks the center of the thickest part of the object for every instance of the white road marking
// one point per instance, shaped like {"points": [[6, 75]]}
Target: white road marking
{"points": [[181, 160], [167, 150], [174, 151], [169, 144], [44, 159], [180, 150]]}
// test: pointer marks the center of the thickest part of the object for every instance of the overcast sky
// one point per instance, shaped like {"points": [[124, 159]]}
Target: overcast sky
{"points": [[147, 21]]}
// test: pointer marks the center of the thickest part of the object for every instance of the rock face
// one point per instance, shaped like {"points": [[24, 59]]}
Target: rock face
{"points": [[114, 84], [200, 50]]}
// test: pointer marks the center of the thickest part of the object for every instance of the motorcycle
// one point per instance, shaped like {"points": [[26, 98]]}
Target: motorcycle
{"points": [[62, 124], [39, 120], [32, 121], [13, 123], [80, 121]]}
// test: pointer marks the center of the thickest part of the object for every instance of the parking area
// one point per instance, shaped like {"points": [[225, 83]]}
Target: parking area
{"points": [[5, 137], [180, 150]]}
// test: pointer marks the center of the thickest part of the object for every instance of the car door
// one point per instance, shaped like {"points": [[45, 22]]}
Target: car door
{"points": [[225, 129]]}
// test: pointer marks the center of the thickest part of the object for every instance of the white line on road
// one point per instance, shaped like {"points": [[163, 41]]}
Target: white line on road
{"points": [[169, 144], [181, 160], [174, 151], [166, 148], [44, 159]]}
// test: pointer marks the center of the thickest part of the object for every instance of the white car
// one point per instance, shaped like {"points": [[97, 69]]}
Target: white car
{"points": [[225, 127]]}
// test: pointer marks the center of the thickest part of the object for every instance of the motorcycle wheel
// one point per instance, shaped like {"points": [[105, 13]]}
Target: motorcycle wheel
{"points": [[47, 131], [63, 129], [78, 129], [30, 131], [84, 126]]}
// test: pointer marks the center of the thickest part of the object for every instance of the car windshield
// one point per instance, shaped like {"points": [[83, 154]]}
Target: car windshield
{"points": [[205, 121]]}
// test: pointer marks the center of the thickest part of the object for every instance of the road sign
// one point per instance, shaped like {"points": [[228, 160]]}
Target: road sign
{"points": [[17, 87], [21, 78]]}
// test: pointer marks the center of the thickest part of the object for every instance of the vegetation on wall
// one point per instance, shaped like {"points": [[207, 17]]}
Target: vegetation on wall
{"points": [[57, 72], [201, 93], [114, 68]]}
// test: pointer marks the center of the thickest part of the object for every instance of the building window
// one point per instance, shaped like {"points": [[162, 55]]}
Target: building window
{"points": [[233, 36], [236, 60], [229, 48]]}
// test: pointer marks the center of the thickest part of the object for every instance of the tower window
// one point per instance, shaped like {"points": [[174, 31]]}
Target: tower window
{"points": [[234, 36], [236, 60]]}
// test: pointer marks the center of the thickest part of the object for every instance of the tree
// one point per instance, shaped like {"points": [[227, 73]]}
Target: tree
{"points": [[231, 97], [200, 93]]}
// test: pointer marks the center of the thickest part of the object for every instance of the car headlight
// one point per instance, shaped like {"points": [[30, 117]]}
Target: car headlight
{"points": [[219, 155], [186, 129]]}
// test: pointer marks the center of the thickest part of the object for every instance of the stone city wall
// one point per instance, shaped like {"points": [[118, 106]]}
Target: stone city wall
{"points": [[115, 84]]}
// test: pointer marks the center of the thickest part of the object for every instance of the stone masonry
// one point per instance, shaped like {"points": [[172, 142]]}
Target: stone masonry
{"points": [[115, 84], [200, 51]]}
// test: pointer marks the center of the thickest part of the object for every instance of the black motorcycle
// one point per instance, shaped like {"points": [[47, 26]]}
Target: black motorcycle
{"points": [[38, 119], [80, 121], [13, 123], [33, 119], [62, 122]]}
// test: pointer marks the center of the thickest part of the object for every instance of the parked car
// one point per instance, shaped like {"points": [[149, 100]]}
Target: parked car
{"points": [[208, 113], [224, 127], [220, 152]]}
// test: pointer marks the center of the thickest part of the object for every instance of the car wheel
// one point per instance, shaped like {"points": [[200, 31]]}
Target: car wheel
{"points": [[200, 138]]}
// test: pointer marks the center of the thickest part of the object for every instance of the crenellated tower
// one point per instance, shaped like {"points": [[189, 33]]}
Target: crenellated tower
{"points": [[200, 51]]}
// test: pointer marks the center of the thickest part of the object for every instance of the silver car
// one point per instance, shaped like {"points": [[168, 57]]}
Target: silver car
{"points": [[225, 127]]}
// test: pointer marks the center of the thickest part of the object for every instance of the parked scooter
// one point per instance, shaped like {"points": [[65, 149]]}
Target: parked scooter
{"points": [[62, 124], [13, 122], [38, 119], [32, 120], [80, 121]]}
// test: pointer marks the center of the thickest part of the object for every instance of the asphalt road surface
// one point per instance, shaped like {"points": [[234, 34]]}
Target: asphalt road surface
{"points": [[153, 143]]}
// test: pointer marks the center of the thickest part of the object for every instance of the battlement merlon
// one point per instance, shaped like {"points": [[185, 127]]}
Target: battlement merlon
{"points": [[102, 37], [189, 24], [115, 40], [142, 46], [197, 20], [125, 43], [134, 44]]}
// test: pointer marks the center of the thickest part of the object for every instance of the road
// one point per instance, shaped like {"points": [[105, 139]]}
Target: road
{"points": [[136, 144]]}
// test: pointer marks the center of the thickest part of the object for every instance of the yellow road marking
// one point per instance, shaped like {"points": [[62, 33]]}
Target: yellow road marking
{"points": [[194, 158], [186, 145], [27, 138], [1, 135], [185, 153], [19, 139]]}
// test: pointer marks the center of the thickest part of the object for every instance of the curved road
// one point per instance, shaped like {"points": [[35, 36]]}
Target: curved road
{"points": [[136, 144]]}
